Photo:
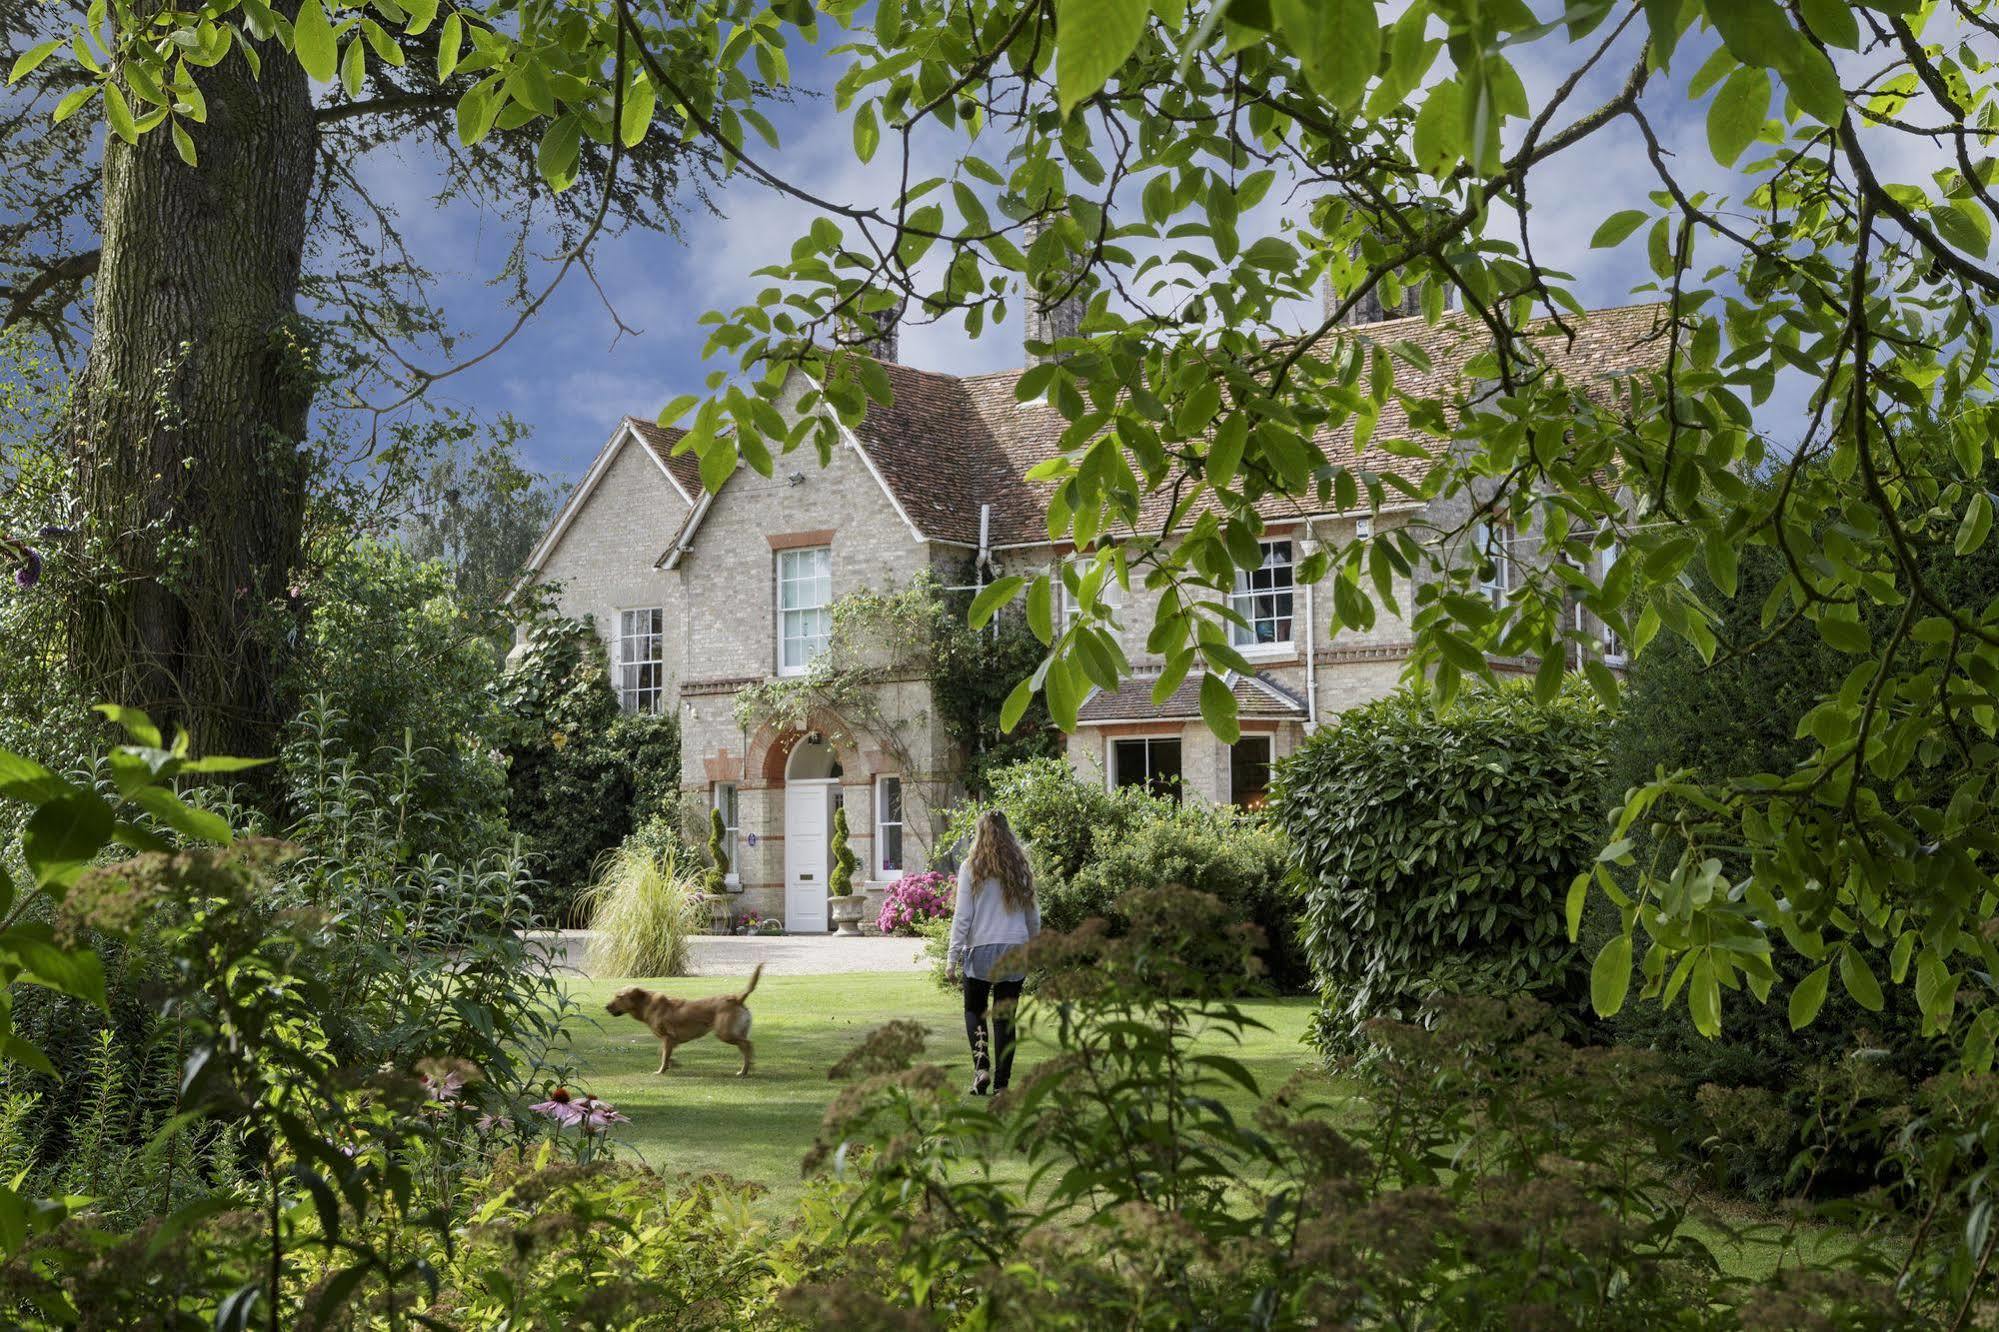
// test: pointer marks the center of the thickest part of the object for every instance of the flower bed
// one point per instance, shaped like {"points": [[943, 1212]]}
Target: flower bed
{"points": [[913, 899]]}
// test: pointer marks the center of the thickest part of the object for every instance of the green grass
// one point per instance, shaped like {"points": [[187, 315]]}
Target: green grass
{"points": [[701, 1117]]}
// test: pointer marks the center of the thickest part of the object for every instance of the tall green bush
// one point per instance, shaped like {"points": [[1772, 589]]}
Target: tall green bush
{"points": [[1436, 850], [581, 775], [716, 879], [1091, 847]]}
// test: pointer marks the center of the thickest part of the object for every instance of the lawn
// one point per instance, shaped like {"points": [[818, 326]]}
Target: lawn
{"points": [[700, 1116]]}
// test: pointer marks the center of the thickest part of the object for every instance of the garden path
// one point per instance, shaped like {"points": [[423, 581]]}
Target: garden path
{"points": [[781, 954]]}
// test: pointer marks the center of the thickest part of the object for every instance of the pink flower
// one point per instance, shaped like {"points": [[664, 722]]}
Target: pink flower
{"points": [[589, 1113]]}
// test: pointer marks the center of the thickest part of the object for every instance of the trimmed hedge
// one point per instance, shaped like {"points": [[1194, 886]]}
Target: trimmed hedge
{"points": [[1436, 850]]}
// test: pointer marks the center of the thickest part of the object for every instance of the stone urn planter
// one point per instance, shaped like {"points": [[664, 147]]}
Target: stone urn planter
{"points": [[846, 912]]}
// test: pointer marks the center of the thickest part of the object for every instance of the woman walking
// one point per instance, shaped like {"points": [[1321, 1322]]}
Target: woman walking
{"points": [[995, 914]]}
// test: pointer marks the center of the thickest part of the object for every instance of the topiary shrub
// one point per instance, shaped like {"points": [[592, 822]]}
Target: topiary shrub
{"points": [[716, 880], [1436, 850], [840, 881]]}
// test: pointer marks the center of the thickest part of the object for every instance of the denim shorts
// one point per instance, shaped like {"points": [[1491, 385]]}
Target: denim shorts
{"points": [[981, 962]]}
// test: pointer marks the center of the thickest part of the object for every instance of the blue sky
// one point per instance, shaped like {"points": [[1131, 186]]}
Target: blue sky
{"points": [[571, 375]]}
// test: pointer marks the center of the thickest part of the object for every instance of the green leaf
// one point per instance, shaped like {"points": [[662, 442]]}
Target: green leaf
{"points": [[1704, 997], [27, 1054], [1737, 112], [64, 835], [1218, 708], [1858, 978], [199, 825], [25, 779], [354, 66], [1617, 228], [450, 40], [1936, 987], [31, 59], [1337, 41], [1016, 703], [118, 114], [1976, 526], [183, 143], [1093, 38], [991, 597], [1610, 976], [636, 119], [1833, 23], [1572, 910], [74, 972], [73, 102], [555, 157], [867, 132], [312, 42], [1808, 996]]}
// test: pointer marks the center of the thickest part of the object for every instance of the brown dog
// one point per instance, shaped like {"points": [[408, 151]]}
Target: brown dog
{"points": [[677, 1021]]}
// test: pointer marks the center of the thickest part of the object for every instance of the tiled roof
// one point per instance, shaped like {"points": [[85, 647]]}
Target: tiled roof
{"points": [[949, 444], [659, 440], [1258, 697]]}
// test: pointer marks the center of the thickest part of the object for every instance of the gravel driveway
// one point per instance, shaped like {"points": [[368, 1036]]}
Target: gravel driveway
{"points": [[781, 954]]}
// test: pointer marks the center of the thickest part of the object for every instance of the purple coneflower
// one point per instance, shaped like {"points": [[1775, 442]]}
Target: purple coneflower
{"points": [[560, 1107]]}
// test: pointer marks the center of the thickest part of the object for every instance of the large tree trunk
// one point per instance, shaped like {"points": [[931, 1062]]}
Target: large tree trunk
{"points": [[192, 412]]}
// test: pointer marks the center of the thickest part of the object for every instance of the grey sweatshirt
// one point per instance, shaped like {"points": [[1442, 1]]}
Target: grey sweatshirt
{"points": [[983, 917]]}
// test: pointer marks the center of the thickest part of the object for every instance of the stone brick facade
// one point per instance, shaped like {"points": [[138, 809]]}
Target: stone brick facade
{"points": [[930, 481]]}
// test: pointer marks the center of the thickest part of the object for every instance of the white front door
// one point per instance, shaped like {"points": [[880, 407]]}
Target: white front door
{"points": [[805, 819]]}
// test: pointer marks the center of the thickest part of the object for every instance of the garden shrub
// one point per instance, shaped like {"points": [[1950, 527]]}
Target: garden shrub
{"points": [[1436, 850], [1731, 718], [581, 775], [409, 668], [643, 907], [914, 900], [1091, 846]]}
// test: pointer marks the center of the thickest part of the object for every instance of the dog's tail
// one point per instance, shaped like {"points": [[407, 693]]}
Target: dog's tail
{"points": [[755, 976]]}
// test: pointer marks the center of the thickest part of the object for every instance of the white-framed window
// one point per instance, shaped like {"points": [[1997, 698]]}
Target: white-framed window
{"points": [[1492, 549], [1249, 771], [724, 799], [641, 659], [1151, 761], [888, 827], [804, 607], [1263, 596], [1110, 596]]}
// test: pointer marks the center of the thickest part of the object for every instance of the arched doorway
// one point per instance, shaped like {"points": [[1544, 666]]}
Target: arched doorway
{"points": [[812, 772]]}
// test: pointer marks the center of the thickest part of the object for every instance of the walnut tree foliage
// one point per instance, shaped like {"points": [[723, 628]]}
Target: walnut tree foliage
{"points": [[1114, 151]]}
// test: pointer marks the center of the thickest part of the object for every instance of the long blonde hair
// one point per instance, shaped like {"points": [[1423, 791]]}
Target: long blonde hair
{"points": [[996, 854]]}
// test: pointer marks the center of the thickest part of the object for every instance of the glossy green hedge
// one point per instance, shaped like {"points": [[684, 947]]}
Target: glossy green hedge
{"points": [[1435, 850]]}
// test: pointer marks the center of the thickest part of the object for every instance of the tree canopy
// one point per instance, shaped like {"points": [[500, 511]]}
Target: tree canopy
{"points": [[1113, 152]]}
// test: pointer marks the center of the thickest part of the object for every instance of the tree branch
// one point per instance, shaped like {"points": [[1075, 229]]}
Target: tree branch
{"points": [[407, 104], [21, 300]]}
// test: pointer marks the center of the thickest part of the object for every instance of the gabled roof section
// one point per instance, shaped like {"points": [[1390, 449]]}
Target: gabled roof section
{"points": [[1258, 698], [683, 469], [949, 445], [658, 445]]}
